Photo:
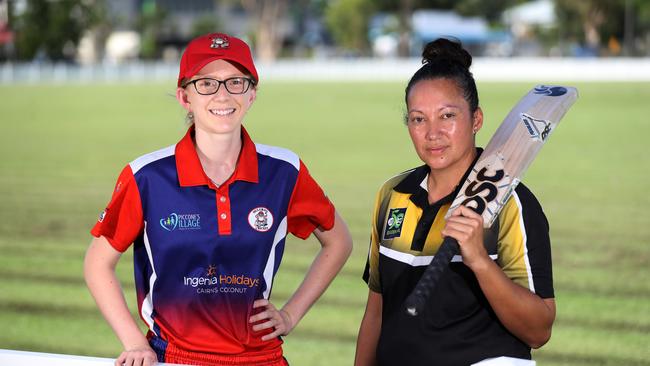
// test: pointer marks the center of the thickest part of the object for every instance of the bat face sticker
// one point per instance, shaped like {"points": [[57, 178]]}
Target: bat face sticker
{"points": [[537, 128], [551, 91]]}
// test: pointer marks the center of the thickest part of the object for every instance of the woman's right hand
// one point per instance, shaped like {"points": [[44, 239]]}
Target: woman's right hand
{"points": [[138, 356]]}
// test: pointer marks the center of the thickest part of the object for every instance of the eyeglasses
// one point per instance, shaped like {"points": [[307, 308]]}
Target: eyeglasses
{"points": [[209, 86]]}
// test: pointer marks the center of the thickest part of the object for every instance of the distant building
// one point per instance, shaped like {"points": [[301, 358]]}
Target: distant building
{"points": [[179, 22], [522, 20], [428, 25], [473, 32]]}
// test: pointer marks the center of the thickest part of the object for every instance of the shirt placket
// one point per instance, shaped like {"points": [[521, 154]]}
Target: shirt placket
{"points": [[223, 210]]}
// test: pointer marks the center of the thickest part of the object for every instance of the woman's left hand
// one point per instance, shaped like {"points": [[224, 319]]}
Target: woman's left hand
{"points": [[270, 317], [466, 226]]}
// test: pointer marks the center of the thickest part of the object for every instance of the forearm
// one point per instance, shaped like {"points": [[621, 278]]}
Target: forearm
{"points": [[105, 288], [110, 300], [335, 250], [366, 353], [324, 268], [523, 313], [367, 343]]}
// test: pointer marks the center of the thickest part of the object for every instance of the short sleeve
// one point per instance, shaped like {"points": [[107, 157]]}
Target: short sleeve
{"points": [[121, 222], [309, 208], [524, 243]]}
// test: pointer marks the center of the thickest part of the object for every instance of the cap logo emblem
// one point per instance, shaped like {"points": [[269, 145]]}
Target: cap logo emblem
{"points": [[220, 42]]}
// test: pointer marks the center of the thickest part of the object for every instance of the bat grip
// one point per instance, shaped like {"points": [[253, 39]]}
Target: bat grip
{"points": [[431, 276]]}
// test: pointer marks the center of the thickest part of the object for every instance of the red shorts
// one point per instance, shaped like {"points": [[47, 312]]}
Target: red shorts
{"points": [[169, 353]]}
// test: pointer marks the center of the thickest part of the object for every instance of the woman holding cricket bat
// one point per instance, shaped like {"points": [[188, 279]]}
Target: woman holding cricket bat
{"points": [[207, 219], [497, 298]]}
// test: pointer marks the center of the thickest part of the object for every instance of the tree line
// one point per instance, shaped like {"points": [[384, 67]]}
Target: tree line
{"points": [[52, 29]]}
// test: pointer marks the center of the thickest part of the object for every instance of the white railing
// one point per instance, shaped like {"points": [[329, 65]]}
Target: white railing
{"points": [[22, 358]]}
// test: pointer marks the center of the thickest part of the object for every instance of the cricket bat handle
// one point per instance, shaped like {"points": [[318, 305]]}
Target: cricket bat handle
{"points": [[417, 299]]}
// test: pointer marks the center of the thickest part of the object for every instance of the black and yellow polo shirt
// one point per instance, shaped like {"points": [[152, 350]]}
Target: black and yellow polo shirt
{"points": [[458, 326]]}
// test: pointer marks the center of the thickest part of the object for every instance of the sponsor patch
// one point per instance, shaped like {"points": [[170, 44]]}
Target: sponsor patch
{"points": [[181, 222], [102, 216], [213, 282], [394, 223], [260, 219]]}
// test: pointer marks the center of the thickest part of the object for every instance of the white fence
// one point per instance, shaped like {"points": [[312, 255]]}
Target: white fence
{"points": [[484, 69], [22, 358]]}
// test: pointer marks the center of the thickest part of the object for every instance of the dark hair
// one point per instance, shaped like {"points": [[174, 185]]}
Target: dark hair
{"points": [[447, 59]]}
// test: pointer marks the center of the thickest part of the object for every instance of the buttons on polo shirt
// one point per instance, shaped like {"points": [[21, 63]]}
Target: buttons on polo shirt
{"points": [[223, 211]]}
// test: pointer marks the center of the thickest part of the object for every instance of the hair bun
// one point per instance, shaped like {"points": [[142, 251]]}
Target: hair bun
{"points": [[446, 49]]}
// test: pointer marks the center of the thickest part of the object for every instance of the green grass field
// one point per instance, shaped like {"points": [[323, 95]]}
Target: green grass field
{"points": [[63, 146]]}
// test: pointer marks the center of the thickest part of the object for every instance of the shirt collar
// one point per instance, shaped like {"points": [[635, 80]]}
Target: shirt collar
{"points": [[189, 169], [415, 183]]}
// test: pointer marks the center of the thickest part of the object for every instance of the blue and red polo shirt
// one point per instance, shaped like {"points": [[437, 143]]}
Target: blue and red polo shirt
{"points": [[203, 254]]}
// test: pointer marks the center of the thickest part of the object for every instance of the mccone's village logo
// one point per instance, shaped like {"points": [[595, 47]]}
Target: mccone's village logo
{"points": [[182, 222]]}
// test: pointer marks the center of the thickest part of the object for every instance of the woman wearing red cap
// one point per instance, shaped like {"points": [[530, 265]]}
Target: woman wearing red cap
{"points": [[207, 219]]}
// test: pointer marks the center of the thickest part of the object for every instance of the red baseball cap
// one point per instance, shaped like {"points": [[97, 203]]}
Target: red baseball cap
{"points": [[215, 46]]}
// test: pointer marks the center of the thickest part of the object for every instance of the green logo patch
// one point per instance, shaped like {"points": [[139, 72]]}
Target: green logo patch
{"points": [[394, 223]]}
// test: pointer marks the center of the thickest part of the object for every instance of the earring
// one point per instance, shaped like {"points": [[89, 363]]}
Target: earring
{"points": [[189, 118]]}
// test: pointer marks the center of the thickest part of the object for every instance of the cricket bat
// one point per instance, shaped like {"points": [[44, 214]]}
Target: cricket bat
{"points": [[498, 171]]}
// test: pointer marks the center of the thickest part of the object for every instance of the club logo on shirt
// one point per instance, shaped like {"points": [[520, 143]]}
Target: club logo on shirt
{"points": [[260, 219], [181, 221], [394, 223]]}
